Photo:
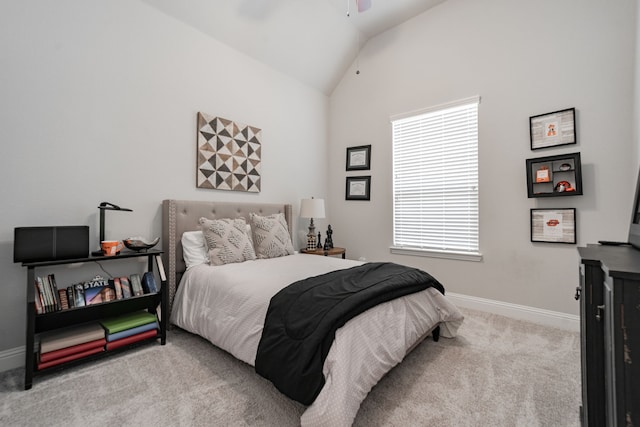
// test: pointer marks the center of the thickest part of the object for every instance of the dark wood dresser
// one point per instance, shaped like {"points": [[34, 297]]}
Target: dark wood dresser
{"points": [[609, 296]]}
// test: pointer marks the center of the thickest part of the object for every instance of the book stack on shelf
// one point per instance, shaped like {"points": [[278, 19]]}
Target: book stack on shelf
{"points": [[48, 298], [78, 341], [129, 328], [65, 345]]}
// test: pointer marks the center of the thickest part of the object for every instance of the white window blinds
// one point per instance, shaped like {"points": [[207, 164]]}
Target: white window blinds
{"points": [[435, 178]]}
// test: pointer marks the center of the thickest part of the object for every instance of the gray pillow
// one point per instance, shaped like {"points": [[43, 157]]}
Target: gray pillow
{"points": [[227, 240], [271, 237]]}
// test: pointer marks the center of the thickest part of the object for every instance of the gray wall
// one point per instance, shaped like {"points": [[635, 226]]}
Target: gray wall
{"points": [[99, 103], [523, 59]]}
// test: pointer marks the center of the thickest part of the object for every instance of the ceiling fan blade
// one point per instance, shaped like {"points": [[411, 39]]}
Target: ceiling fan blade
{"points": [[363, 5]]}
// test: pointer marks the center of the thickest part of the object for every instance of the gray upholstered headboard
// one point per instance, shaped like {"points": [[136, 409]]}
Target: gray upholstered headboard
{"points": [[179, 216]]}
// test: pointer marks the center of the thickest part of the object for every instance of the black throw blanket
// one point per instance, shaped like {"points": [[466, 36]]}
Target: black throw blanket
{"points": [[302, 320]]}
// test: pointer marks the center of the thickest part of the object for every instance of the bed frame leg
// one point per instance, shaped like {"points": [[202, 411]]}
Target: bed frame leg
{"points": [[436, 333]]}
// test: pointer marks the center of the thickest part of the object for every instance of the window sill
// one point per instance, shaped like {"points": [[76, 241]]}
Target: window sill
{"points": [[460, 256]]}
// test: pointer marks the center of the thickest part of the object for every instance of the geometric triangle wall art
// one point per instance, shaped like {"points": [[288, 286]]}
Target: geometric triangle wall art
{"points": [[228, 155]]}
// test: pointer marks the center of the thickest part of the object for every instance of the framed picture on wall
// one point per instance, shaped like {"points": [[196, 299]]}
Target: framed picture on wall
{"points": [[359, 158], [553, 225], [553, 129], [358, 188]]}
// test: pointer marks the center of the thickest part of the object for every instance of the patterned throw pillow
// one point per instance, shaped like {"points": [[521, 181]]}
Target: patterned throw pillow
{"points": [[227, 240], [271, 237]]}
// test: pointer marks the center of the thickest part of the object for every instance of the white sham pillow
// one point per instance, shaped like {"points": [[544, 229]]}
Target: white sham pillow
{"points": [[194, 250]]}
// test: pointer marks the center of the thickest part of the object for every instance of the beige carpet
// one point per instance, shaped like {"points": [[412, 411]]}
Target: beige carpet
{"points": [[497, 372]]}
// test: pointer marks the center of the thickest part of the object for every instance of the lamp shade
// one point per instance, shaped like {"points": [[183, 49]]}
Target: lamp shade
{"points": [[363, 5], [312, 208]]}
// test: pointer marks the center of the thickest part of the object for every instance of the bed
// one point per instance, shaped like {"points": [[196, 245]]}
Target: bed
{"points": [[227, 304]]}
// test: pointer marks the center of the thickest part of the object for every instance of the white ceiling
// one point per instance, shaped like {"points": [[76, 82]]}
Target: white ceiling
{"points": [[313, 41]]}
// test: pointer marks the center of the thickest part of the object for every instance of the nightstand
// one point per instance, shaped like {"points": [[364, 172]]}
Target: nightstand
{"points": [[332, 251]]}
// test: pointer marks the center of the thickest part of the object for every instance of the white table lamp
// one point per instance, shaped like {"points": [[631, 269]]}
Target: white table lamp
{"points": [[312, 208]]}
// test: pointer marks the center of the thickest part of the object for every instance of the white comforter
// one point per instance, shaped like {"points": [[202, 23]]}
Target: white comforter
{"points": [[227, 305]]}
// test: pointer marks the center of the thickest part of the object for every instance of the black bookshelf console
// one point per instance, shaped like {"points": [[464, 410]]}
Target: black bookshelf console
{"points": [[609, 294], [39, 323]]}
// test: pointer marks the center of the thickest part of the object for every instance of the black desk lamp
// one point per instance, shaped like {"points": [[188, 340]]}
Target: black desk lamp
{"points": [[106, 206]]}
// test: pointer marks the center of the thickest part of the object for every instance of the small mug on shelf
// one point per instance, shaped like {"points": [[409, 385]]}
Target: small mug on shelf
{"points": [[111, 247]]}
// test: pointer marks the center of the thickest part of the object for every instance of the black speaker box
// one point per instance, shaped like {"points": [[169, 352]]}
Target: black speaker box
{"points": [[33, 244]]}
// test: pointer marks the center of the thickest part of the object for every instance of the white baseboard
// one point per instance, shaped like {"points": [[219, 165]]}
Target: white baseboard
{"points": [[540, 316], [12, 358]]}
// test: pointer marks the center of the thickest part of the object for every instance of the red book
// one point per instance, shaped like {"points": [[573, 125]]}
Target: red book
{"points": [[66, 351], [70, 358], [133, 338]]}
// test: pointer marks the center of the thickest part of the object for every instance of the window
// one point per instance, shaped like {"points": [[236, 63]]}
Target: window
{"points": [[435, 181]]}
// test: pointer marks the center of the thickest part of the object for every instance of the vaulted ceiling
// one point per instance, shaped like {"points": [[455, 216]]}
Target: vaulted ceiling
{"points": [[313, 41]]}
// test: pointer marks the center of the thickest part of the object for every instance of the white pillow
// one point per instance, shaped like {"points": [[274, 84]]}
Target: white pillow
{"points": [[194, 250]]}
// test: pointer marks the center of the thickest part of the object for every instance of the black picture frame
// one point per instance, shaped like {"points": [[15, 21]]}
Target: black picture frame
{"points": [[358, 188], [359, 158], [554, 176], [553, 129], [553, 225]]}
